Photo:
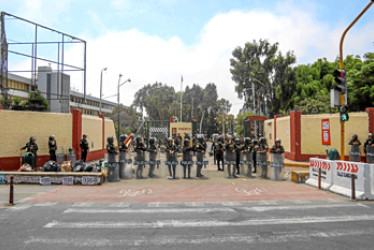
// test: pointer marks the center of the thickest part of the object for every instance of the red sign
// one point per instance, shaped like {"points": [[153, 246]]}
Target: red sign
{"points": [[325, 126]]}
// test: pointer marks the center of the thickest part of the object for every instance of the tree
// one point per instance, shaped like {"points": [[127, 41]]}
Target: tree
{"points": [[130, 119], [261, 65]]}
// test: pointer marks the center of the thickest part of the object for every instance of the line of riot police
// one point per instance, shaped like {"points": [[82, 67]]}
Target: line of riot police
{"points": [[232, 152], [237, 152]]}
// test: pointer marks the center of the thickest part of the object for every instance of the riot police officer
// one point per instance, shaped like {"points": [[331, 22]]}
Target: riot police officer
{"points": [[247, 150], [262, 156], [52, 145], [238, 153], [354, 141], [84, 148], [200, 151], [277, 148], [219, 153], [369, 142], [152, 149], [111, 149], [187, 157], [254, 149], [171, 157], [32, 147], [139, 158], [230, 156]]}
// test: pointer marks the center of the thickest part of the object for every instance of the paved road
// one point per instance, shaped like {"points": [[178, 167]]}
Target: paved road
{"points": [[214, 213], [307, 224]]}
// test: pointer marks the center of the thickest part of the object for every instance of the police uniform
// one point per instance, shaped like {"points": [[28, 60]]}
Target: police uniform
{"points": [[52, 145], [230, 157], [187, 157], [200, 150], [139, 149], [171, 156], [84, 149], [152, 149], [219, 153]]}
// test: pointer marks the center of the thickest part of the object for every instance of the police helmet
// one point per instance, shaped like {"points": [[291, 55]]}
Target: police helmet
{"points": [[229, 137], [247, 140], [170, 140], [52, 137], [32, 138], [110, 139], [186, 141], [138, 139], [262, 140], [152, 141], [354, 136], [123, 137], [237, 140], [278, 140], [371, 135], [254, 141]]}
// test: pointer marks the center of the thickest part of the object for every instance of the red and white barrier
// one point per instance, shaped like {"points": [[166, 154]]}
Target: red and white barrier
{"points": [[327, 172], [343, 179]]}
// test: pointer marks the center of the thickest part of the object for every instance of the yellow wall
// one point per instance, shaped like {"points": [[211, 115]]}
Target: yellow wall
{"points": [[311, 138], [109, 130], [283, 132], [92, 127], [269, 131], [16, 127], [182, 127]]}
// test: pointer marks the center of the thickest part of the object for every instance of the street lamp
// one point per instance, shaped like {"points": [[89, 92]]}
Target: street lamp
{"points": [[101, 86], [119, 85]]}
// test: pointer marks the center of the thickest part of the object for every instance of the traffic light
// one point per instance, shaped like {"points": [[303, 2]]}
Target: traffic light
{"points": [[343, 110], [340, 76]]}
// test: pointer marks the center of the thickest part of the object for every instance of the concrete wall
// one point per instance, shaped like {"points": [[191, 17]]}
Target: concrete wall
{"points": [[311, 137], [16, 127], [301, 134], [109, 130], [283, 132], [92, 127], [269, 131], [181, 128]]}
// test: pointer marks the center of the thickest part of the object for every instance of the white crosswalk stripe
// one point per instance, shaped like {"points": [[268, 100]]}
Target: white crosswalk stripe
{"points": [[206, 223]]}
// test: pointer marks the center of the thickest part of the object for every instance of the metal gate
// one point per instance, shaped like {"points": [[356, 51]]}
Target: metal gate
{"points": [[254, 126], [157, 129]]}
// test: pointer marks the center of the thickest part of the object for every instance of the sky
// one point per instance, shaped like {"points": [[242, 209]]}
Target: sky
{"points": [[160, 40]]}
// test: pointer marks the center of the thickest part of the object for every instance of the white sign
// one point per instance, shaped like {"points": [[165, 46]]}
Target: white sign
{"points": [[327, 170]]}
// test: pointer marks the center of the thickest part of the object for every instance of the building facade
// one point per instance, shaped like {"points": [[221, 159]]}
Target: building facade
{"points": [[55, 87]]}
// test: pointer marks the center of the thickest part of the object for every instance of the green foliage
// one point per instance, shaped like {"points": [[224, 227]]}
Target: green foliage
{"points": [[304, 87], [130, 119], [160, 102], [261, 65], [239, 121]]}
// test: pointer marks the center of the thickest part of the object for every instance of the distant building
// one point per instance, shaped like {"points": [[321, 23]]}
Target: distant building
{"points": [[55, 87]]}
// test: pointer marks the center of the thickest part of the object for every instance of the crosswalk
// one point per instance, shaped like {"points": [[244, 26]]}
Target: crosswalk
{"points": [[26, 205], [200, 225]]}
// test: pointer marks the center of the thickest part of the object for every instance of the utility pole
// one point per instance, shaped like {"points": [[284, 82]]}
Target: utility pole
{"points": [[341, 66], [181, 98]]}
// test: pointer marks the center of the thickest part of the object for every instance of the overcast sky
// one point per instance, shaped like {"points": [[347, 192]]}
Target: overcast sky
{"points": [[161, 40]]}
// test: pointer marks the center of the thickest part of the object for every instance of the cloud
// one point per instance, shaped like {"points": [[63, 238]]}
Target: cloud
{"points": [[146, 58]]}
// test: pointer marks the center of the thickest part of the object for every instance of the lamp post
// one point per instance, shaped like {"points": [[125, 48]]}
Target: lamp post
{"points": [[118, 96], [101, 86]]}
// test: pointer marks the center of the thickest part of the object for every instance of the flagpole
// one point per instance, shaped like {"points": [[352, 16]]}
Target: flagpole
{"points": [[181, 98]]}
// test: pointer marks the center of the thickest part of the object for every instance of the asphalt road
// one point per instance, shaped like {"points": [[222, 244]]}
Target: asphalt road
{"points": [[306, 224]]}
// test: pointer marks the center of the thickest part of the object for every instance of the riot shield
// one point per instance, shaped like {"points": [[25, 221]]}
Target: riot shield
{"points": [[369, 154], [262, 162], [354, 154], [113, 171], [277, 167]]}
